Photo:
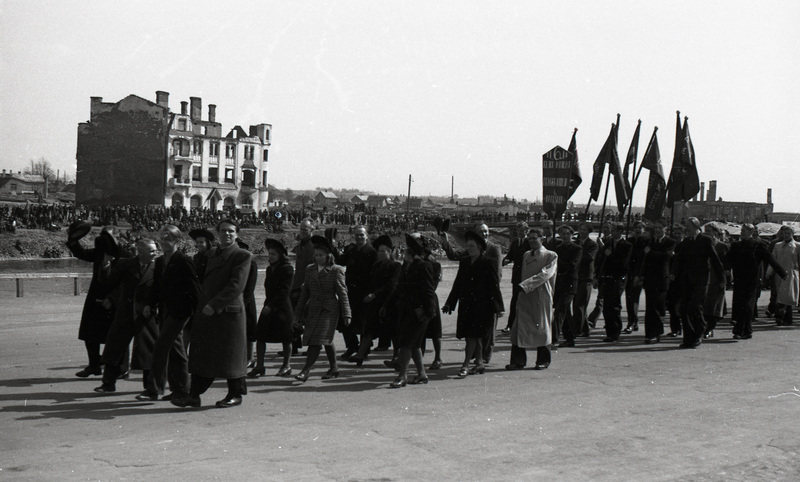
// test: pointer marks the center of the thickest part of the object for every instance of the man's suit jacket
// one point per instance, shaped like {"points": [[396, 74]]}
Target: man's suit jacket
{"points": [[616, 264], [493, 252], [569, 259], [588, 253], [516, 252], [176, 289], [638, 243], [695, 260], [655, 268]]}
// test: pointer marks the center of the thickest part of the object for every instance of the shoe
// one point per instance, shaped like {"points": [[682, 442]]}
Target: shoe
{"points": [[655, 339], [541, 366], [628, 330], [332, 373], [674, 334], [708, 334], [419, 380], [147, 396], [382, 348], [347, 354], [737, 337], [690, 345], [284, 372], [228, 402], [173, 396], [251, 364], [477, 370], [105, 389], [437, 364], [89, 370], [747, 337], [123, 376], [187, 401], [398, 383], [357, 360], [506, 330], [392, 364], [463, 372], [515, 366], [302, 376], [566, 344], [256, 372], [585, 334], [768, 314], [610, 340]]}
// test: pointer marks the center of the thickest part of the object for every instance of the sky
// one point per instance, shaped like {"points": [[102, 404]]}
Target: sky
{"points": [[362, 94]]}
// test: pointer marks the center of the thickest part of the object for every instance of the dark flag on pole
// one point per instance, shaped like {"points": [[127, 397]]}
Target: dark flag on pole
{"points": [[684, 181], [599, 168], [630, 159], [656, 184], [616, 171], [575, 178]]}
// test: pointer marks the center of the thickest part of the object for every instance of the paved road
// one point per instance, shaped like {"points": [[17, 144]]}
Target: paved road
{"points": [[726, 411]]}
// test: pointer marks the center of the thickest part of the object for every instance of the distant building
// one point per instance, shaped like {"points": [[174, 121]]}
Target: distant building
{"points": [[326, 198], [18, 184], [138, 152], [710, 207], [359, 199]]}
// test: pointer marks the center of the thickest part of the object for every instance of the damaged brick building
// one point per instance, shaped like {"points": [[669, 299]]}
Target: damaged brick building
{"points": [[138, 152]]}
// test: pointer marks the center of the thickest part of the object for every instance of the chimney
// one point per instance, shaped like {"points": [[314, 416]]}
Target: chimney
{"points": [[184, 107], [769, 195], [162, 98], [212, 113], [253, 131], [95, 105], [702, 191], [45, 187], [197, 105], [712, 191]]}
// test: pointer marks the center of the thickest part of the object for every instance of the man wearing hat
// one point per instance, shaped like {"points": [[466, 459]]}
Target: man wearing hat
{"points": [[787, 253], [694, 262], [304, 256], [97, 309], [569, 258], [519, 246], [203, 240]]}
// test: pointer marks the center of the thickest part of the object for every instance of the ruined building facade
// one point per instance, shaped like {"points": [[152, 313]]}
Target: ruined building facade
{"points": [[139, 152]]}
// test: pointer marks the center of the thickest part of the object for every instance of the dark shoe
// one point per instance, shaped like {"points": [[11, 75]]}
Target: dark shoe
{"points": [[147, 396], [173, 396], [359, 361], [419, 380], [251, 364], [392, 364], [331, 373], [610, 340], [123, 376], [302, 376], [747, 337], [506, 330], [90, 370], [737, 337], [628, 330], [515, 366], [105, 389], [655, 339], [256, 372], [186, 401], [566, 344], [477, 370], [383, 348], [398, 383], [347, 354], [541, 366], [688, 346], [674, 334], [708, 334], [463, 372], [284, 372], [585, 334], [228, 402], [437, 364]]}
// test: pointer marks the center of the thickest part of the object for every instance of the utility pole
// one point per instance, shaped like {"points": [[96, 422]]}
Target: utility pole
{"points": [[408, 198], [452, 189]]}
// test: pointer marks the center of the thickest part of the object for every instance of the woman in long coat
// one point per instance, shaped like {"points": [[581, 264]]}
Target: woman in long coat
{"points": [[476, 293], [323, 299], [275, 322], [714, 307], [414, 301], [787, 254]]}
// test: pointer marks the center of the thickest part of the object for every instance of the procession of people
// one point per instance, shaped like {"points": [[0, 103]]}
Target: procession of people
{"points": [[190, 321]]}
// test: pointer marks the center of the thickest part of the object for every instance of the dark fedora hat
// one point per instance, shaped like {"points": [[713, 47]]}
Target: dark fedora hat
{"points": [[441, 223], [477, 237], [416, 243], [106, 244], [383, 240], [321, 242], [242, 244], [78, 229], [275, 244], [202, 233], [330, 234]]}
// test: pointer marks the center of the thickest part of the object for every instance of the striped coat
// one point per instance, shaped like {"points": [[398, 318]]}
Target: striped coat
{"points": [[323, 298]]}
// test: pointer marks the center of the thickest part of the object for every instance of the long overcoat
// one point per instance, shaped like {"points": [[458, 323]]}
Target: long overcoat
{"points": [[219, 341], [358, 261], [532, 327], [276, 326], [476, 293], [323, 300], [95, 320], [788, 256], [414, 300]]}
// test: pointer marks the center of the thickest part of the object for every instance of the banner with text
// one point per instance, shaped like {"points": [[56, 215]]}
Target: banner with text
{"points": [[557, 166]]}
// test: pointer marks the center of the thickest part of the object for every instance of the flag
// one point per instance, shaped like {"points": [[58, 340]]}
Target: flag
{"points": [[684, 183], [630, 159], [616, 171], [656, 184], [575, 179], [599, 168]]}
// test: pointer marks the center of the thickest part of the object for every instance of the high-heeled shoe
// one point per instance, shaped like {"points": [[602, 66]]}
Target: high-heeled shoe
{"points": [[357, 360], [256, 372], [463, 372], [398, 383], [302, 376], [419, 380], [437, 364], [284, 372], [332, 373], [477, 370]]}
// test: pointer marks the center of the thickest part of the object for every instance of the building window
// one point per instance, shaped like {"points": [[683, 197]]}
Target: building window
{"points": [[229, 175], [198, 148], [196, 174], [180, 147], [213, 174], [264, 176], [249, 152], [247, 202], [230, 150], [213, 149], [177, 200], [181, 124], [195, 202], [266, 134], [14, 187], [248, 178], [229, 204], [177, 171], [265, 155]]}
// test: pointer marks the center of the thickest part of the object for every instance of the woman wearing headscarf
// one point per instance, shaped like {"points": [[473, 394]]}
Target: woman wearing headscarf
{"points": [[275, 322], [414, 301], [476, 293], [323, 298]]}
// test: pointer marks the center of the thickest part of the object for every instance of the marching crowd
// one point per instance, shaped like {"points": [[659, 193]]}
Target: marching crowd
{"points": [[195, 319]]}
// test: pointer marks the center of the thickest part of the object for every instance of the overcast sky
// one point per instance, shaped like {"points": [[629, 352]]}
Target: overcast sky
{"points": [[363, 93]]}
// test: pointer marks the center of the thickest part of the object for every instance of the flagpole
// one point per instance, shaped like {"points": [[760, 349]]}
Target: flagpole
{"points": [[636, 176], [605, 198]]}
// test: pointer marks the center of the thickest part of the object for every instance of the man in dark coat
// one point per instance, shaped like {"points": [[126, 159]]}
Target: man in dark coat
{"points": [[673, 292], [97, 309], [250, 308], [358, 258], [132, 281], [219, 334], [602, 240], [516, 251], [583, 292], [633, 290], [695, 260], [174, 297], [614, 268], [654, 277], [745, 259], [569, 260], [304, 256]]}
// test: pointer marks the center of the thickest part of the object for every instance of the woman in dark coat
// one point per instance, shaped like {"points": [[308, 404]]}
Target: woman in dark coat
{"points": [[414, 301], [275, 323], [476, 291], [434, 330], [323, 299], [383, 279]]}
